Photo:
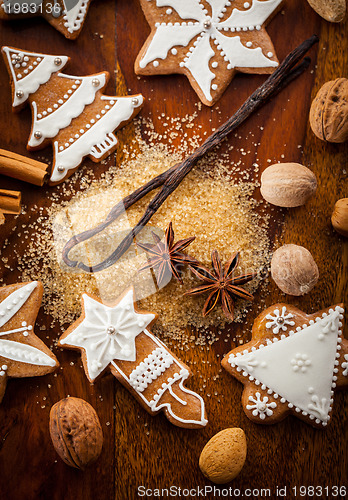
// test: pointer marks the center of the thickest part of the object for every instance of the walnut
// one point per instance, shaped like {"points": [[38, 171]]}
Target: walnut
{"points": [[76, 432], [288, 184], [294, 270], [331, 10], [329, 111]]}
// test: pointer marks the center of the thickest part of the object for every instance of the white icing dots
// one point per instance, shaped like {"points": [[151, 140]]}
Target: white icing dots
{"points": [[249, 44], [300, 363], [156, 64], [214, 64], [246, 5], [345, 366], [260, 406], [150, 369], [174, 51], [169, 11], [270, 54], [3, 370]]}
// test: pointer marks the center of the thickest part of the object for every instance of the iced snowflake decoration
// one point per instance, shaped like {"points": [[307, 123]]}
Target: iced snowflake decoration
{"points": [[107, 333], [261, 407], [280, 320], [208, 40], [300, 363], [345, 365]]}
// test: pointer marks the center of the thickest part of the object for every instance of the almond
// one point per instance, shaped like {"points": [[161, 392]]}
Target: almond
{"points": [[76, 432], [288, 184], [223, 457], [339, 217]]}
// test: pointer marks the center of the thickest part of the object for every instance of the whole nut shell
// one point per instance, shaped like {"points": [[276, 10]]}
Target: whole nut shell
{"points": [[328, 115], [223, 457], [331, 10], [76, 432], [339, 217], [294, 270], [288, 184]]}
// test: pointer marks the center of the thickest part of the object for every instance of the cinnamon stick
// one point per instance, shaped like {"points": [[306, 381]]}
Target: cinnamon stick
{"points": [[22, 168], [10, 201]]}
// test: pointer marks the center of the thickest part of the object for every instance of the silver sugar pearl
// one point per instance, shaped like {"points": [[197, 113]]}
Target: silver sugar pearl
{"points": [[95, 82], [262, 407], [280, 320], [207, 24], [111, 330], [57, 61], [19, 94], [17, 58], [135, 101], [60, 168], [37, 134]]}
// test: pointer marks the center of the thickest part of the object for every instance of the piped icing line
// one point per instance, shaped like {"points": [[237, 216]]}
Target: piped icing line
{"points": [[38, 76], [315, 407], [182, 376], [24, 353], [255, 16], [73, 18], [49, 126], [14, 302], [98, 134], [345, 366]]}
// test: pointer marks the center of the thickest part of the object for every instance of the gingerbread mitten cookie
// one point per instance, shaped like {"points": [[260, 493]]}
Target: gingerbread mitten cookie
{"points": [[22, 353], [69, 112], [66, 16], [208, 41], [117, 338], [292, 364]]}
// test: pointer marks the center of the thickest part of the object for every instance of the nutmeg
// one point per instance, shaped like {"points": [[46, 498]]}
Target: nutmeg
{"points": [[294, 270], [339, 218], [330, 10], [223, 457], [288, 184], [328, 115], [76, 432]]}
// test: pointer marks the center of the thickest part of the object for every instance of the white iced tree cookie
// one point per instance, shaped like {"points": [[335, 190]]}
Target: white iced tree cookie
{"points": [[294, 369], [208, 41], [69, 112]]}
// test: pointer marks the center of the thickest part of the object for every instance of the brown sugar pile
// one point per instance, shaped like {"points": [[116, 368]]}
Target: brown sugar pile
{"points": [[210, 204]]}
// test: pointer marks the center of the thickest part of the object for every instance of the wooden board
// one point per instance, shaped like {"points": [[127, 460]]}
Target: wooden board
{"points": [[138, 449]]}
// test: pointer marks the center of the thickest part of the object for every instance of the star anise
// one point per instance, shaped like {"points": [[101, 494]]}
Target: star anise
{"points": [[221, 284], [167, 257]]}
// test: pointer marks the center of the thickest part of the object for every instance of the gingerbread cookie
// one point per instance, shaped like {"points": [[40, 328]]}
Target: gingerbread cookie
{"points": [[117, 338], [22, 353], [292, 364], [208, 41], [69, 112], [66, 16]]}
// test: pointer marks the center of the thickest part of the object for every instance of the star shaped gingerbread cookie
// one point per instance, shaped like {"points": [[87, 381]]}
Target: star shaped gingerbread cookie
{"points": [[208, 41], [66, 16], [117, 338], [22, 353], [292, 365]]}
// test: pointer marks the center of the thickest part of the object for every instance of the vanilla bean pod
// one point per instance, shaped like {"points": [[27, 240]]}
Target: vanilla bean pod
{"points": [[170, 180]]}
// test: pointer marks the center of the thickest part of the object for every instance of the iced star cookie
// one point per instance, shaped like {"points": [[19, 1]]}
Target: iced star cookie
{"points": [[292, 364], [66, 16], [117, 338], [69, 112], [208, 41], [22, 353]]}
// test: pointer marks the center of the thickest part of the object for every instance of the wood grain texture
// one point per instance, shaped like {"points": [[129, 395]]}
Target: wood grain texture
{"points": [[140, 449]]}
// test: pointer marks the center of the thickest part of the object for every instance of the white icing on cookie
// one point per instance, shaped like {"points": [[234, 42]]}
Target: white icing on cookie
{"points": [[41, 73], [108, 333], [73, 18], [260, 406], [49, 125], [150, 369], [95, 134], [169, 35], [300, 367], [345, 366], [280, 320], [24, 353], [14, 302]]}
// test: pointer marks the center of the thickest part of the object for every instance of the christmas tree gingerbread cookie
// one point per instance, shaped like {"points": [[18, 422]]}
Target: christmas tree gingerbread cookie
{"points": [[22, 353], [66, 16], [69, 112], [117, 338], [292, 365], [208, 41]]}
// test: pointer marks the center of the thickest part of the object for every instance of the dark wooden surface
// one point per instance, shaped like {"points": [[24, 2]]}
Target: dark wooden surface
{"points": [[139, 449]]}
